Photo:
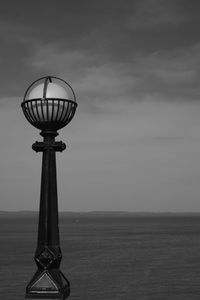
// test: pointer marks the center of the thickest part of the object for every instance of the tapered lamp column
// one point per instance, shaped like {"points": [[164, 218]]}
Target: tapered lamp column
{"points": [[49, 104]]}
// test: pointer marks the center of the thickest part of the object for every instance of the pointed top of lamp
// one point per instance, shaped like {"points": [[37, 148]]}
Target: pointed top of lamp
{"points": [[49, 103]]}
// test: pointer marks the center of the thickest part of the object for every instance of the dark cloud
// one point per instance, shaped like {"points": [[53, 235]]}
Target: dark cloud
{"points": [[161, 76], [134, 66], [95, 34]]}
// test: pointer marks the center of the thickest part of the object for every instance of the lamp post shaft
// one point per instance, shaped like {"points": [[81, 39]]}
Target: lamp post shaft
{"points": [[48, 282], [48, 231]]}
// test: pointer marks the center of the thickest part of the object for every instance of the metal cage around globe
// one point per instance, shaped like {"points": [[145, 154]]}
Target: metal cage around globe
{"points": [[49, 103]]}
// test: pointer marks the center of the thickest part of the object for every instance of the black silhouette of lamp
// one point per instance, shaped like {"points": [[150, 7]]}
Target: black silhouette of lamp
{"points": [[49, 104]]}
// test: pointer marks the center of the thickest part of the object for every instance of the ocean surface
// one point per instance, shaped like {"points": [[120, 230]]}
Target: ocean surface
{"points": [[108, 256]]}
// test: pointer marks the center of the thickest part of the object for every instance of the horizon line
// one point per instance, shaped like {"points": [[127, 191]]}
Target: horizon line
{"points": [[105, 212]]}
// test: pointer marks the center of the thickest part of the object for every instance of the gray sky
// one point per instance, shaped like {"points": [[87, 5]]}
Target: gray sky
{"points": [[134, 143]]}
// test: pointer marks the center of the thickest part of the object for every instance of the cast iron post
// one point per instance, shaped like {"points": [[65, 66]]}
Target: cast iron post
{"points": [[49, 114], [48, 281]]}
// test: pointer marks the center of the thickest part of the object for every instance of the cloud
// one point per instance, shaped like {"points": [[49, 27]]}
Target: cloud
{"points": [[54, 57], [96, 80], [104, 86], [153, 14], [100, 55], [134, 66]]}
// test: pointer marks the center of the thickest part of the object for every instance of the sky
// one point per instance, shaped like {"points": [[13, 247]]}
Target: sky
{"points": [[134, 143]]}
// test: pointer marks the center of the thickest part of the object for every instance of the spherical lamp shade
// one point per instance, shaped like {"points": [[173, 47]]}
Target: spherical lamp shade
{"points": [[49, 103], [53, 91]]}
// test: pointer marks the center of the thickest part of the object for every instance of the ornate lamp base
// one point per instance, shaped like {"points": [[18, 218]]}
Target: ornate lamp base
{"points": [[48, 284]]}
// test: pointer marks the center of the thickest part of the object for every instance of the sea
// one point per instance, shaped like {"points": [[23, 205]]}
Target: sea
{"points": [[108, 256]]}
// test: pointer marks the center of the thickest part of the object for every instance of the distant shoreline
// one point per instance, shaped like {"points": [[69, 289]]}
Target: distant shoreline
{"points": [[101, 213]]}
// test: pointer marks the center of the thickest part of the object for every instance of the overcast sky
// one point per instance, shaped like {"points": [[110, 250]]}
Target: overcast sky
{"points": [[134, 143]]}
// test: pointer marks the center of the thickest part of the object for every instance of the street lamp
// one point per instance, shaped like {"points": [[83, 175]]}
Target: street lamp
{"points": [[49, 104]]}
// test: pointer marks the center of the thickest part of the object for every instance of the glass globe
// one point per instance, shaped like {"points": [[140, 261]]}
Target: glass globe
{"points": [[49, 103], [53, 91]]}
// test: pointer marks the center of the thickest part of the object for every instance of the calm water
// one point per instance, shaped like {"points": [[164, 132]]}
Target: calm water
{"points": [[109, 257]]}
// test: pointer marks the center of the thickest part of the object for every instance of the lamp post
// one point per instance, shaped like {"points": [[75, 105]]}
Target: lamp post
{"points": [[49, 104]]}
